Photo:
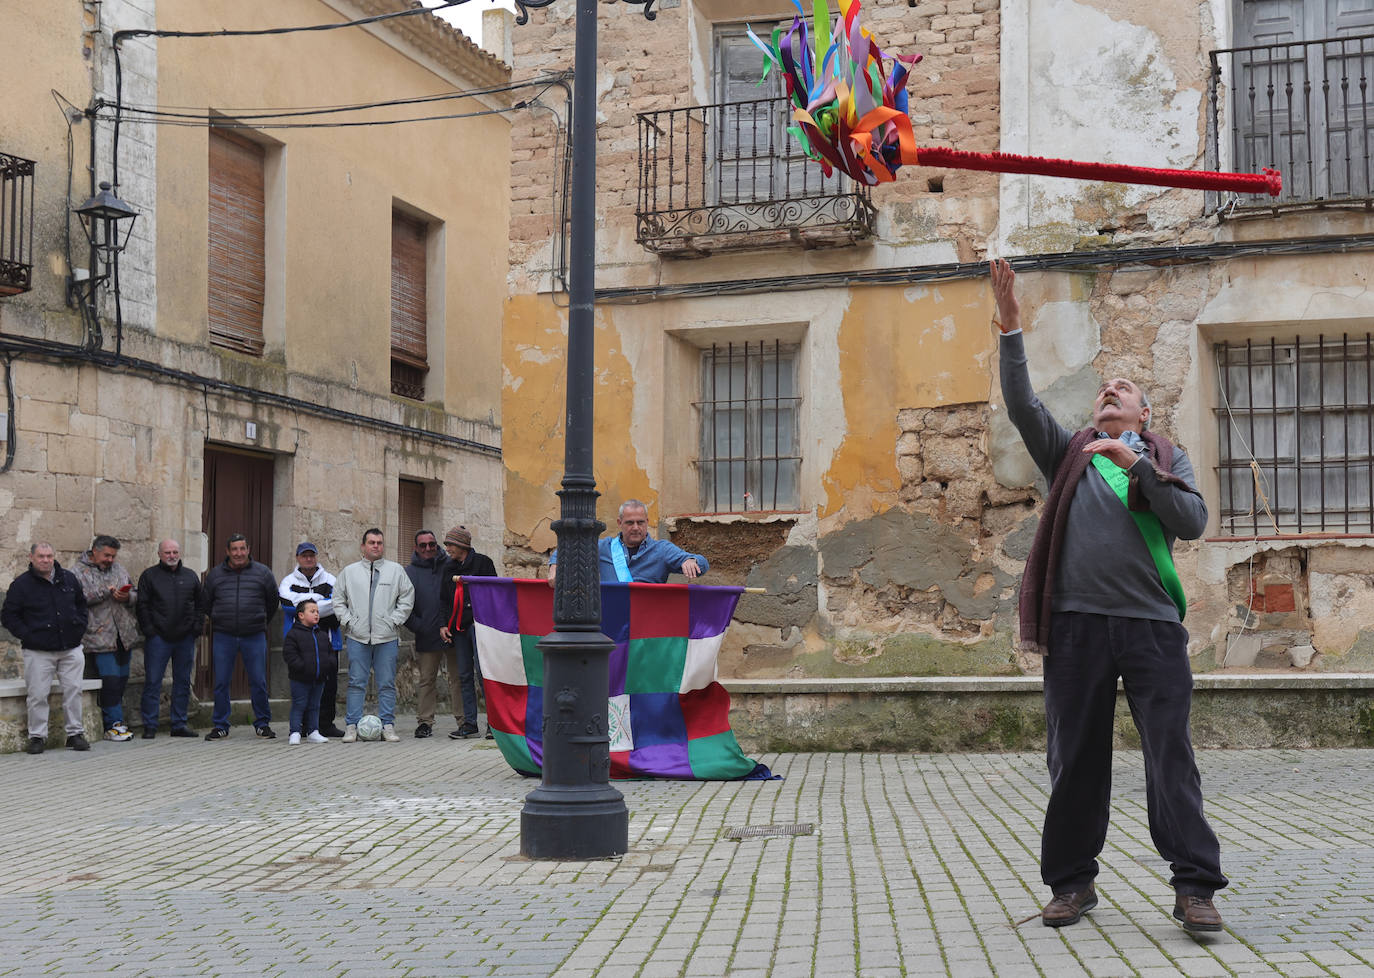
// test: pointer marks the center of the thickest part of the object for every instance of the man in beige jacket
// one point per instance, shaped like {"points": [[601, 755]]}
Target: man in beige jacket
{"points": [[372, 599]]}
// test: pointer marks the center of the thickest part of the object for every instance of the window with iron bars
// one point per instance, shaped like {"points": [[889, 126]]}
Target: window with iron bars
{"points": [[750, 455], [1295, 428]]}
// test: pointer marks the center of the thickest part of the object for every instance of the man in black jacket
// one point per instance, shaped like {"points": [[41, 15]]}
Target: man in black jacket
{"points": [[426, 572], [45, 609], [240, 598], [171, 613], [463, 562]]}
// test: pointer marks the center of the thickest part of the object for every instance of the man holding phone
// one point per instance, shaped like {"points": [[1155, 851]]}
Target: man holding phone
{"points": [[111, 629]]}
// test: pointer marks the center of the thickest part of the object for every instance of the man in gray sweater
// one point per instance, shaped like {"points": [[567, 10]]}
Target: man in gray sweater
{"points": [[1101, 600]]}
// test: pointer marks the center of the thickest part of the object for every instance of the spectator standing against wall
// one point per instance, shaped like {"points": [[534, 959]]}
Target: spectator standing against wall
{"points": [[310, 580], [45, 609], [373, 600], [463, 561], [426, 573], [111, 628], [171, 614], [240, 598]]}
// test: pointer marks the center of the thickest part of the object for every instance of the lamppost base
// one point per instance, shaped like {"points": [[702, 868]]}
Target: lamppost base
{"points": [[573, 823]]}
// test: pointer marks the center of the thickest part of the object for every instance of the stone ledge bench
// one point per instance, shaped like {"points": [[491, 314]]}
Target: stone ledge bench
{"points": [[1006, 713], [14, 714]]}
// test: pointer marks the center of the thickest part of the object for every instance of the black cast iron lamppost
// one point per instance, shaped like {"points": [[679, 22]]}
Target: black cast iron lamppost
{"points": [[575, 813]]}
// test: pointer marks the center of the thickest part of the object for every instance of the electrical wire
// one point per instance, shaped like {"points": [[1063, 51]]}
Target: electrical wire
{"points": [[1120, 258], [219, 123], [279, 112], [11, 434]]}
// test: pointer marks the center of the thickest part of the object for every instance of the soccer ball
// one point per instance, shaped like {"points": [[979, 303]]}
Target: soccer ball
{"points": [[370, 727]]}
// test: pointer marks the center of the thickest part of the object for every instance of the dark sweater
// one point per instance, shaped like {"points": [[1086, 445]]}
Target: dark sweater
{"points": [[46, 615], [308, 654], [170, 603], [1104, 566], [240, 601], [476, 565]]}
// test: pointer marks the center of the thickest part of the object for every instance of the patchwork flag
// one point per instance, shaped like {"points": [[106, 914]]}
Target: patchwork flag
{"points": [[668, 717]]}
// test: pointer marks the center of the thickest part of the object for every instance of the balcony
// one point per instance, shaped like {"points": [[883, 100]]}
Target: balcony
{"points": [[16, 224], [1305, 108], [729, 177]]}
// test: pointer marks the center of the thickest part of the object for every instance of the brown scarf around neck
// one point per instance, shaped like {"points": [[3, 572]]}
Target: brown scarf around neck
{"points": [[1037, 583]]}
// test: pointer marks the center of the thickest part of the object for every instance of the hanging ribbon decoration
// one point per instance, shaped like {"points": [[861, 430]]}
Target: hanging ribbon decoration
{"points": [[849, 106]]}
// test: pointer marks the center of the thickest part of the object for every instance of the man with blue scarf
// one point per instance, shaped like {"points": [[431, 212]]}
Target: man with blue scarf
{"points": [[634, 556]]}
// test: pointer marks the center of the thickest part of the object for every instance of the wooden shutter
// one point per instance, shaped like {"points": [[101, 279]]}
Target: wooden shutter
{"points": [[412, 518], [409, 308], [238, 220]]}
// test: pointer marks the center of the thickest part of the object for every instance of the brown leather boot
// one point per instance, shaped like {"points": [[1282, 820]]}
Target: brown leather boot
{"points": [[1197, 913], [1068, 908]]}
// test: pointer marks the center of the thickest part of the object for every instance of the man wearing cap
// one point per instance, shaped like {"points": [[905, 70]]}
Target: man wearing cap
{"points": [[463, 561], [311, 582], [632, 555]]}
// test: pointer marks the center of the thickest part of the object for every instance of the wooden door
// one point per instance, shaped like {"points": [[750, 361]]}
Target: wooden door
{"points": [[237, 498]]}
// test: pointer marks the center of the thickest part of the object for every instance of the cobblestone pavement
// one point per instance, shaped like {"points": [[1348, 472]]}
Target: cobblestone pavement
{"points": [[247, 857]]}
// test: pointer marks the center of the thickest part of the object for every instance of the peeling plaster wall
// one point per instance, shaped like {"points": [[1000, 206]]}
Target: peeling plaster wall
{"points": [[919, 502], [1105, 81]]}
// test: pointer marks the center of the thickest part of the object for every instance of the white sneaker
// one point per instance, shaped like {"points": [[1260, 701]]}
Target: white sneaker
{"points": [[315, 737], [350, 733], [389, 733], [295, 738]]}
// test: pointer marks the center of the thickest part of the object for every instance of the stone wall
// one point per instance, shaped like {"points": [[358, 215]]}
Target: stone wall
{"points": [[919, 503]]}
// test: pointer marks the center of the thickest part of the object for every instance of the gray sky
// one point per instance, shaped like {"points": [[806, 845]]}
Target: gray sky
{"points": [[467, 17]]}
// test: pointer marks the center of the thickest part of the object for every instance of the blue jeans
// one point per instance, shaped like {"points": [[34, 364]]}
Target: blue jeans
{"points": [[253, 650], [305, 706], [157, 652], [114, 676], [365, 661]]}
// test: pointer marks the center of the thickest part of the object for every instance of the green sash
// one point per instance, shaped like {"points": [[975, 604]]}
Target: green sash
{"points": [[1150, 529]]}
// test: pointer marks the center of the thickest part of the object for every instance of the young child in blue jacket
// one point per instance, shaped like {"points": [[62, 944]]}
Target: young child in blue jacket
{"points": [[309, 658]]}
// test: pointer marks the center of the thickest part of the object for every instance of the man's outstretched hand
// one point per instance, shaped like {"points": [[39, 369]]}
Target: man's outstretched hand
{"points": [[1004, 291]]}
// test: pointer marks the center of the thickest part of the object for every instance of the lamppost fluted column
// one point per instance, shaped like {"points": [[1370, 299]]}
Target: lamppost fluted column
{"points": [[575, 813]]}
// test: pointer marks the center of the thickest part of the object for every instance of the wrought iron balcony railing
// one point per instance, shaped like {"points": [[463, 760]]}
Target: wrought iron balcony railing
{"points": [[16, 224], [728, 176], [1303, 107]]}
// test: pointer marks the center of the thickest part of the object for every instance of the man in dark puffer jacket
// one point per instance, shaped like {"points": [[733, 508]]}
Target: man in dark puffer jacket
{"points": [[240, 598], [171, 613], [45, 609]]}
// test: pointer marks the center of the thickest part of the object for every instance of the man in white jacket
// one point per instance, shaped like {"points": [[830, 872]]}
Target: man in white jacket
{"points": [[372, 600]]}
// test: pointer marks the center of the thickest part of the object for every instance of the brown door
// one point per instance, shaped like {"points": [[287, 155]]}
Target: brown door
{"points": [[237, 499]]}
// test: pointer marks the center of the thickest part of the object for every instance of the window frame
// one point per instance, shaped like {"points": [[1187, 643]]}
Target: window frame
{"points": [[1253, 431], [752, 404]]}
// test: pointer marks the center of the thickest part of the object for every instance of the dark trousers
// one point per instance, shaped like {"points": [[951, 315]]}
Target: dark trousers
{"points": [[1087, 653], [469, 672], [329, 698]]}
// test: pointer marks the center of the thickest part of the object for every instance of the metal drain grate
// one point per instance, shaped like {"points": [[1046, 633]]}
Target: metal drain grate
{"points": [[769, 831]]}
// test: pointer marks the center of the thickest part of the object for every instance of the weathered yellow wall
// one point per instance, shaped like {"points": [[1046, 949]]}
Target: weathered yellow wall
{"points": [[535, 355], [898, 348], [49, 58], [339, 189], [902, 348]]}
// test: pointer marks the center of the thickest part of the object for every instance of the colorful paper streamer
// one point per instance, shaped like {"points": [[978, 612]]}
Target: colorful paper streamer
{"points": [[849, 108]]}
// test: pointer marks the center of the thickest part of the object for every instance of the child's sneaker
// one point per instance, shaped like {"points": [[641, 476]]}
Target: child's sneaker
{"points": [[315, 737], [295, 738], [114, 733]]}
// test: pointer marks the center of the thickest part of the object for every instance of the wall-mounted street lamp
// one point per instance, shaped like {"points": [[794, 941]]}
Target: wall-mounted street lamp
{"points": [[575, 813], [108, 223]]}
